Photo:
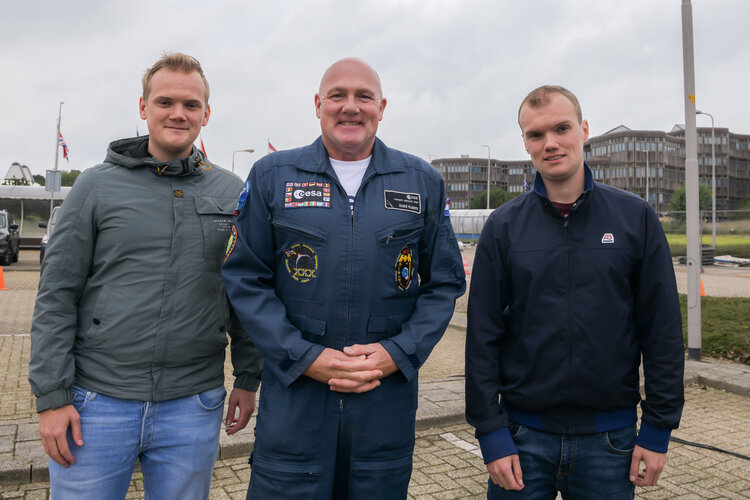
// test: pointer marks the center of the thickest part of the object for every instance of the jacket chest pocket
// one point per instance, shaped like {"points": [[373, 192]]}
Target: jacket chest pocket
{"points": [[215, 214], [398, 256]]}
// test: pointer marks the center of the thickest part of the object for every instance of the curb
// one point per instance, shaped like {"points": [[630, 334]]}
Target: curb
{"points": [[441, 403]]}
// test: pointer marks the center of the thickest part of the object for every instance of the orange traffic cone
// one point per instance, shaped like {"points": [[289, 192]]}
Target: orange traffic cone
{"points": [[467, 271], [703, 290], [2, 280]]}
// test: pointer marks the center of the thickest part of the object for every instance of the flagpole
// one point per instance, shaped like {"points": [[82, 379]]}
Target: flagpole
{"points": [[57, 153]]}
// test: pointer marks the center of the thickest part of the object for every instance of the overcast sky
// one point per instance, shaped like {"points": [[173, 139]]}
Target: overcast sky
{"points": [[453, 71]]}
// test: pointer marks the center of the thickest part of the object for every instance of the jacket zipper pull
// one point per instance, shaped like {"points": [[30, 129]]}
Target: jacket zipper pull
{"points": [[388, 239]]}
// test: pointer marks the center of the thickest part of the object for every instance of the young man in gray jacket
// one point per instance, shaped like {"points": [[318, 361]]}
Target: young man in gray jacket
{"points": [[129, 331]]}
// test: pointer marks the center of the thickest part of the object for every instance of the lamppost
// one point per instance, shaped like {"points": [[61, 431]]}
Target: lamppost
{"points": [[713, 175], [240, 151], [488, 175]]}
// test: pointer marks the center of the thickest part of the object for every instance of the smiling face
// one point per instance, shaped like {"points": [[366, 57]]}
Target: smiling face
{"points": [[554, 137], [175, 109], [349, 105]]}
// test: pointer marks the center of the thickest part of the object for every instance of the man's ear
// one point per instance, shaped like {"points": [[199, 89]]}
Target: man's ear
{"points": [[206, 115]]}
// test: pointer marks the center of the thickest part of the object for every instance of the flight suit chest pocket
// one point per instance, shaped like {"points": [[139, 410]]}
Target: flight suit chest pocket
{"points": [[398, 257], [215, 214], [301, 259]]}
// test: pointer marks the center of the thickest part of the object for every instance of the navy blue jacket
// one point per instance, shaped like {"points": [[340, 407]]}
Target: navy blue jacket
{"points": [[561, 312]]}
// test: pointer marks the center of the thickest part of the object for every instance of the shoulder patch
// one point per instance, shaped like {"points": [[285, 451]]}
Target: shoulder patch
{"points": [[243, 197], [231, 243]]}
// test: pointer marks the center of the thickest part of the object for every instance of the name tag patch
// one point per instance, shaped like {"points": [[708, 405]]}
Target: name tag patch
{"points": [[307, 194], [407, 202]]}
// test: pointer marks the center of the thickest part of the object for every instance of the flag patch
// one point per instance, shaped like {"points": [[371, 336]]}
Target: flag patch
{"points": [[608, 238], [307, 194]]}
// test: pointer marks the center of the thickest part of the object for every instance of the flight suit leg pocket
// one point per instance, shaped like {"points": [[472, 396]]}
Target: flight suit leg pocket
{"points": [[382, 479], [275, 479]]}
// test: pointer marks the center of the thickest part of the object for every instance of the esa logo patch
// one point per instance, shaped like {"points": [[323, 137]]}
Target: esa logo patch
{"points": [[301, 262], [231, 243], [307, 194], [403, 269]]}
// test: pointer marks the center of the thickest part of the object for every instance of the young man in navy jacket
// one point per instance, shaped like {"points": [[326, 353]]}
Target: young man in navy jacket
{"points": [[573, 286]]}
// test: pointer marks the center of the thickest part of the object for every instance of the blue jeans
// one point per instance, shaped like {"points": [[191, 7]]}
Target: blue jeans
{"points": [[583, 466], [177, 442]]}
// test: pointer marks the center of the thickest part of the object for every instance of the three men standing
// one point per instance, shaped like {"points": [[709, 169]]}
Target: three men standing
{"points": [[573, 286], [344, 270], [129, 331]]}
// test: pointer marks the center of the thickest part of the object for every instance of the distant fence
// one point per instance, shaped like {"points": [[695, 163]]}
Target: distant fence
{"points": [[468, 224]]}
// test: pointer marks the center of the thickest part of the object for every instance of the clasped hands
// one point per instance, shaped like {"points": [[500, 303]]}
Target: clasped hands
{"points": [[357, 368]]}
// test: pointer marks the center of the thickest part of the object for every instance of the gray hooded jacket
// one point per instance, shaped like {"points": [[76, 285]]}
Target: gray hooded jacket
{"points": [[131, 302]]}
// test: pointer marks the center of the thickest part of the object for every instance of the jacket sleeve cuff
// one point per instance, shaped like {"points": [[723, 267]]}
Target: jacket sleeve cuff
{"points": [[497, 444], [53, 400], [295, 369], [247, 382], [403, 362], [653, 438]]}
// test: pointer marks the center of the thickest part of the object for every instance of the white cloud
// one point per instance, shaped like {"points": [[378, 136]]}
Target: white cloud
{"points": [[453, 71]]}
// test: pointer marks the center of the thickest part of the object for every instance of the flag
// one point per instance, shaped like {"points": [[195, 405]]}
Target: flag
{"points": [[203, 148], [271, 149], [526, 186], [63, 145]]}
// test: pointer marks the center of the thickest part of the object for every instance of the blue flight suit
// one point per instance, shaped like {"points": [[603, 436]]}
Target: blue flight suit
{"points": [[303, 272]]}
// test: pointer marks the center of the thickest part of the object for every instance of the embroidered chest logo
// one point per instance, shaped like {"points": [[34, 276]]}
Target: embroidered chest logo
{"points": [[403, 269], [301, 262], [307, 194], [408, 202], [608, 238]]}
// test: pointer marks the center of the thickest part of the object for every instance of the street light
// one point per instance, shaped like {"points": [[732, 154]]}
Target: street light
{"points": [[240, 151], [488, 175], [713, 174]]}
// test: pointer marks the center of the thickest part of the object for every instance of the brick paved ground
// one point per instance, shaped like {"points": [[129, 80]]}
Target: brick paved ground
{"points": [[447, 466]]}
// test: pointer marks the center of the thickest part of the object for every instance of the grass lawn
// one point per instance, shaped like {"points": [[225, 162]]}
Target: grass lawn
{"points": [[736, 245], [725, 327]]}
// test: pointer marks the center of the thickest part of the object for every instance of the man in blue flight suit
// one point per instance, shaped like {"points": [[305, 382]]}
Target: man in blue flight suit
{"points": [[344, 270]]}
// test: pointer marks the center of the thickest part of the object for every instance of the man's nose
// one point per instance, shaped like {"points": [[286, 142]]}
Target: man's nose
{"points": [[350, 105], [550, 142], [178, 112]]}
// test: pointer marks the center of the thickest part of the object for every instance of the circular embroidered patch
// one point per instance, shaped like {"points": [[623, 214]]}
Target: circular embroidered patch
{"points": [[231, 243], [403, 269], [301, 262]]}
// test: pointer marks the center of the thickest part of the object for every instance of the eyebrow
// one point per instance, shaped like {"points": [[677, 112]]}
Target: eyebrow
{"points": [[356, 90], [556, 125]]}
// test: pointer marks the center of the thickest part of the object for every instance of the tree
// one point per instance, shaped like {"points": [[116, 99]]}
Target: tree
{"points": [[497, 197], [39, 179], [69, 177], [678, 198]]}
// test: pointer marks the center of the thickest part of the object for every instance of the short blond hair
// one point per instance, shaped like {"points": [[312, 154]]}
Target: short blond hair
{"points": [[540, 97], [174, 61]]}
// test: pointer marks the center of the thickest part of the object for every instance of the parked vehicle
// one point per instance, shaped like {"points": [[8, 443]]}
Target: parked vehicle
{"points": [[50, 225], [10, 239]]}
